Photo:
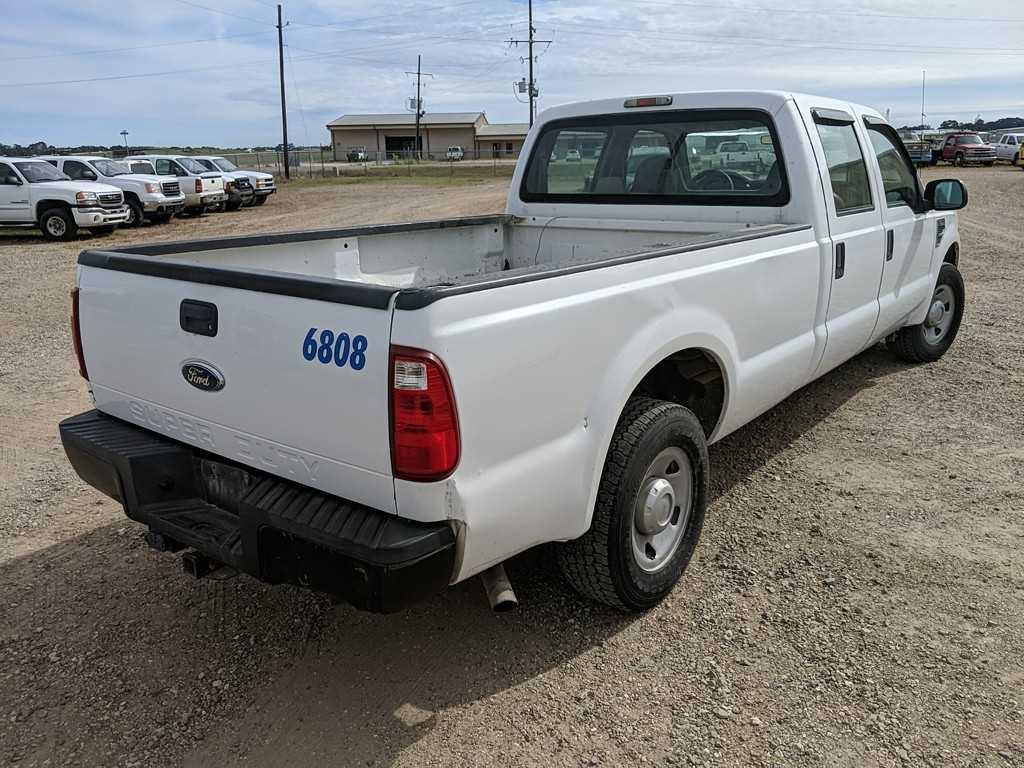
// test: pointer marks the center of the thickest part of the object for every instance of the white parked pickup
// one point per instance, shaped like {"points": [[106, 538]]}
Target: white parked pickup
{"points": [[203, 189], [381, 411], [147, 196], [34, 193], [262, 184]]}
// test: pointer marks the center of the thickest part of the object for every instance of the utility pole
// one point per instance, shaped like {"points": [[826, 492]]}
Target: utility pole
{"points": [[419, 100], [126, 150], [530, 43], [922, 99], [284, 110]]}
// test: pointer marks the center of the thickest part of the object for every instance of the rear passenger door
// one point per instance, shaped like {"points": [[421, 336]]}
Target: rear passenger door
{"points": [[855, 230], [909, 235]]}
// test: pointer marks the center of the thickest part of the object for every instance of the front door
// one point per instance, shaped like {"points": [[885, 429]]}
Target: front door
{"points": [[909, 235], [14, 205], [855, 229]]}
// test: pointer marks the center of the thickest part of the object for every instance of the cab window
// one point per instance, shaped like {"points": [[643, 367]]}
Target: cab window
{"points": [[79, 171], [846, 168], [898, 179], [661, 157], [8, 177], [163, 167]]}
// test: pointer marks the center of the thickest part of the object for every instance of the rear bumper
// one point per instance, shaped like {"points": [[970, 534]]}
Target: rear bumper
{"points": [[272, 529]]}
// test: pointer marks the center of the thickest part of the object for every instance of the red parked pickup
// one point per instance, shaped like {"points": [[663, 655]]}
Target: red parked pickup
{"points": [[963, 148]]}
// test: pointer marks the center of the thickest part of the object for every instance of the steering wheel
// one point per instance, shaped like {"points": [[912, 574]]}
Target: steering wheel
{"points": [[703, 180]]}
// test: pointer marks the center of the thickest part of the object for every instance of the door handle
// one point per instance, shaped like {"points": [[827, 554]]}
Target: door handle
{"points": [[840, 260], [889, 238]]}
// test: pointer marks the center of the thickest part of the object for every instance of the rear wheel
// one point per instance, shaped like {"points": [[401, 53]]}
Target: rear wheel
{"points": [[649, 511], [928, 341], [58, 224]]}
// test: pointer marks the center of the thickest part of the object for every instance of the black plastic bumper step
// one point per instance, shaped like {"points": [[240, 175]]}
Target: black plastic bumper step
{"points": [[270, 528]]}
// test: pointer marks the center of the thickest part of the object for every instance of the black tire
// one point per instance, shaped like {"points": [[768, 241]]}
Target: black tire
{"points": [[958, 159], [106, 229], [260, 199], [135, 214], [160, 218], [58, 224], [194, 212], [601, 564], [233, 206], [913, 343]]}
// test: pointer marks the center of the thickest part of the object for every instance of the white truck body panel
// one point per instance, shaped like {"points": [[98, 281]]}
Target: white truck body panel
{"points": [[546, 318]]}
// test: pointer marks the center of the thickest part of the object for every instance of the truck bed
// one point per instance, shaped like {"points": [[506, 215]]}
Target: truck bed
{"points": [[365, 266]]}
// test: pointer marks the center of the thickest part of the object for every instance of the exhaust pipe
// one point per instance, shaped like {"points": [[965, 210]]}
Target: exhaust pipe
{"points": [[499, 589]]}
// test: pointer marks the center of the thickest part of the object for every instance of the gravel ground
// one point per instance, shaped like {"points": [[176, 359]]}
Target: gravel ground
{"points": [[856, 599]]}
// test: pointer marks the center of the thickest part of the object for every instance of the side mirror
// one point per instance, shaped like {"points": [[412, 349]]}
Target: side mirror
{"points": [[945, 195], [89, 176]]}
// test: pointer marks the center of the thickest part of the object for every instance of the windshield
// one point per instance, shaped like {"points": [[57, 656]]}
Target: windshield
{"points": [[970, 140], [224, 165], [192, 165], [143, 166], [37, 171], [111, 167]]}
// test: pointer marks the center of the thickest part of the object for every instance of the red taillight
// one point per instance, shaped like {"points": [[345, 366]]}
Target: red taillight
{"points": [[199, 185], [76, 335], [424, 422]]}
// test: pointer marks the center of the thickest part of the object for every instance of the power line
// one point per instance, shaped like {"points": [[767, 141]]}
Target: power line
{"points": [[923, 16], [222, 13], [132, 48]]}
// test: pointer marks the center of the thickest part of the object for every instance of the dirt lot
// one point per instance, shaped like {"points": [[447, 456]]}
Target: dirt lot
{"points": [[857, 600]]}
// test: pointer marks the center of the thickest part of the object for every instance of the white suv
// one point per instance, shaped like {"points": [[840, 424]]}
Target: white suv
{"points": [[34, 193], [147, 196]]}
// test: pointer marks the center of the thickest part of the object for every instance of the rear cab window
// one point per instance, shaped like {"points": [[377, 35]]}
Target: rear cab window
{"points": [[667, 157]]}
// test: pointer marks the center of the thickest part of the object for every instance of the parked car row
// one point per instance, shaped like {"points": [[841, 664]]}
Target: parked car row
{"points": [[65, 193]]}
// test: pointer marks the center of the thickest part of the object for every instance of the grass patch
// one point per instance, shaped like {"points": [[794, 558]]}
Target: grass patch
{"points": [[432, 175]]}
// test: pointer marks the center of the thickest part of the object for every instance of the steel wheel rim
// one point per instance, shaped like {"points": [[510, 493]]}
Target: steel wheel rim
{"points": [[940, 315], [55, 226], [662, 509], [132, 218]]}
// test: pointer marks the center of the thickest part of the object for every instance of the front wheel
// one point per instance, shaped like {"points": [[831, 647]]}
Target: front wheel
{"points": [[959, 159], [260, 200], [58, 224], [135, 214], [649, 511], [106, 229], [928, 341]]}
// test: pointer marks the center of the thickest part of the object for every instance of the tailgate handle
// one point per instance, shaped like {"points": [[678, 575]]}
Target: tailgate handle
{"points": [[199, 317]]}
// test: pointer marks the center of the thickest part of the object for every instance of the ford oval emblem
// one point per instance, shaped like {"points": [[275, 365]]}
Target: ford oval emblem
{"points": [[202, 375]]}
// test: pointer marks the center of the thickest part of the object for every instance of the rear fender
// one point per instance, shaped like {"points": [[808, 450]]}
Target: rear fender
{"points": [[652, 344]]}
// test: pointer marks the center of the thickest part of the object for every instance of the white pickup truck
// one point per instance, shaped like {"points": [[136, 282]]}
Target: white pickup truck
{"points": [[147, 196], [203, 189], [380, 411], [35, 194]]}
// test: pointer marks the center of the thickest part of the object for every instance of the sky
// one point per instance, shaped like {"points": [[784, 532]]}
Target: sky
{"points": [[204, 72]]}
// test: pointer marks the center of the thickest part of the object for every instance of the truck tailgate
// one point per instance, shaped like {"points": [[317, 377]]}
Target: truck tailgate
{"points": [[294, 386]]}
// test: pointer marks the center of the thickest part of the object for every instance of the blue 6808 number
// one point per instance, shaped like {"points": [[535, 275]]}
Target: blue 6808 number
{"points": [[339, 349]]}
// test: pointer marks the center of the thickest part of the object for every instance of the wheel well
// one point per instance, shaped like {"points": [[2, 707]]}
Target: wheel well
{"points": [[44, 205], [130, 196], [952, 256], [690, 377]]}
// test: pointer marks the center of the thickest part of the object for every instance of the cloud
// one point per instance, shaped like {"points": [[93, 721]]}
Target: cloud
{"points": [[352, 57]]}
